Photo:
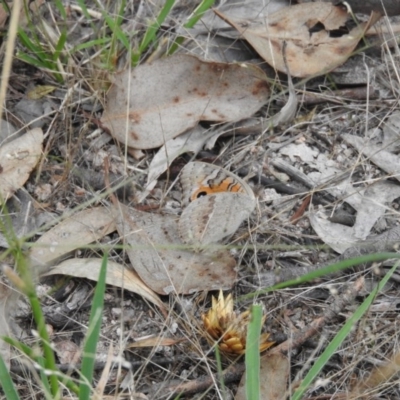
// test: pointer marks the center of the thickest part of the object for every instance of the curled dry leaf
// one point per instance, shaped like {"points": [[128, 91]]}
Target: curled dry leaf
{"points": [[337, 236], [76, 231], [183, 91], [191, 141], [117, 275], [308, 33], [288, 111], [159, 257], [17, 160]]}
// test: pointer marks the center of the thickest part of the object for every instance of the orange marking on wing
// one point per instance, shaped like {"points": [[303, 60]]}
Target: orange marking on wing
{"points": [[227, 185]]}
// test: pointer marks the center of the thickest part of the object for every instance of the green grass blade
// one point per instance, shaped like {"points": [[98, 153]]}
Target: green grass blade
{"points": [[6, 225], [84, 9], [39, 360], [117, 35], [6, 382], [60, 45], [31, 25], [116, 29], [120, 15], [5, 6], [34, 356], [50, 362], [153, 28], [61, 9], [198, 13], [252, 357], [194, 18], [325, 271], [91, 43], [151, 31], [220, 369], [31, 60], [340, 336], [93, 334], [34, 48], [85, 12], [25, 284]]}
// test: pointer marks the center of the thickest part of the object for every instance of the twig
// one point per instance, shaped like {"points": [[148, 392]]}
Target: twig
{"points": [[231, 374], [337, 305]]}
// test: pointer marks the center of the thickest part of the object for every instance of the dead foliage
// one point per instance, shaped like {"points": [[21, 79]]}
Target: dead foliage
{"points": [[264, 149]]}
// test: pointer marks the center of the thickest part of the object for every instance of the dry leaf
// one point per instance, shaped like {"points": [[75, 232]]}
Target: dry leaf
{"points": [[378, 154], [117, 275], [339, 237], [155, 341], [249, 9], [308, 34], [76, 231], [183, 91], [163, 262], [192, 141], [288, 111], [376, 200], [21, 218], [274, 373], [379, 377], [67, 352], [17, 160]]}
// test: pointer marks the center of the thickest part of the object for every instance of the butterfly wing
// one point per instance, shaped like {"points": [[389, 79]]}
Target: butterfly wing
{"points": [[212, 218], [200, 179]]}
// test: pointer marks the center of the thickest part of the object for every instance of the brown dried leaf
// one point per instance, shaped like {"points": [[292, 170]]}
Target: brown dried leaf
{"points": [[68, 352], [17, 160], [380, 375], [190, 142], [78, 230], [339, 237], [163, 262], [156, 102], [303, 31], [117, 275]]}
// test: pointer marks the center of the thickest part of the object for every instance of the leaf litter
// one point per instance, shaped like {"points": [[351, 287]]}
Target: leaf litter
{"points": [[340, 157], [185, 90], [18, 158], [303, 33], [162, 260]]}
